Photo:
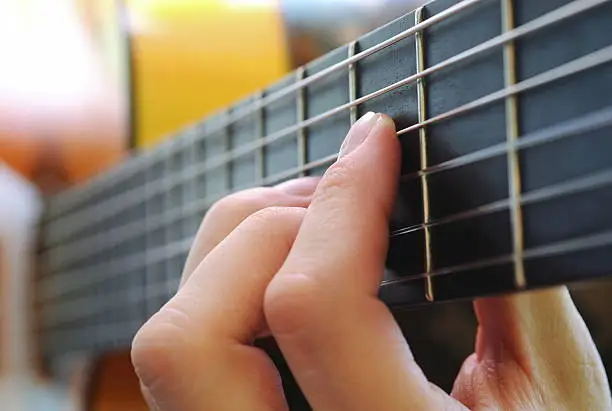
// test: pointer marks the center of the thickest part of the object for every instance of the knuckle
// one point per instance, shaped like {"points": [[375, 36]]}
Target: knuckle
{"points": [[339, 177], [161, 349], [292, 304], [242, 202], [278, 215], [275, 219]]}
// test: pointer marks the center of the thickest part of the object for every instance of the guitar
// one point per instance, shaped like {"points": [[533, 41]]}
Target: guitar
{"points": [[504, 112]]}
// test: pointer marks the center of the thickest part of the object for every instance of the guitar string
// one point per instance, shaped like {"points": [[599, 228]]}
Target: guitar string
{"points": [[550, 134], [583, 243], [562, 71], [542, 22], [589, 61], [553, 17], [567, 246], [343, 64], [65, 311], [581, 125], [129, 264], [103, 335], [267, 100]]}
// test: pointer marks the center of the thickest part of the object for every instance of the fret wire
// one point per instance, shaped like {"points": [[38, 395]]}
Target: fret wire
{"points": [[512, 134], [105, 332], [124, 170], [113, 268], [586, 123], [566, 246], [158, 220], [591, 60], [126, 264], [67, 310], [148, 220], [166, 190], [590, 182], [227, 147], [300, 170], [170, 209], [422, 116], [300, 105], [576, 66], [189, 184], [588, 61], [443, 15], [587, 242], [352, 82], [555, 16], [260, 165]]}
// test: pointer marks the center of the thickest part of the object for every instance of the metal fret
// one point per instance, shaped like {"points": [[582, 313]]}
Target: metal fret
{"points": [[589, 61], [227, 146], [512, 135], [422, 115], [99, 247], [72, 197], [86, 277], [151, 215], [260, 164], [571, 245], [535, 25], [301, 116], [352, 82], [190, 186]]}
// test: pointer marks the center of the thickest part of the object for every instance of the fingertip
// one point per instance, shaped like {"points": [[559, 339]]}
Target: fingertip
{"points": [[386, 122], [372, 126]]}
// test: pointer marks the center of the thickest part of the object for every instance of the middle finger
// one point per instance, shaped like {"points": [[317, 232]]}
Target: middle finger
{"points": [[229, 212]]}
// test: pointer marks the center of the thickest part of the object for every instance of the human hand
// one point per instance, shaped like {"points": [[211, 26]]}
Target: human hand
{"points": [[303, 261]]}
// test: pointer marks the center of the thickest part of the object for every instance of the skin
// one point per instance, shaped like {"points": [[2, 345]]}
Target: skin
{"points": [[279, 260]]}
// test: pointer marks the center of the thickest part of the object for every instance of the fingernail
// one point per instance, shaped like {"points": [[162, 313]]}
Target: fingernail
{"points": [[358, 133]]}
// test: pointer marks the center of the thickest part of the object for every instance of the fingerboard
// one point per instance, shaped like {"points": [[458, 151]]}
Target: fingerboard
{"points": [[504, 113]]}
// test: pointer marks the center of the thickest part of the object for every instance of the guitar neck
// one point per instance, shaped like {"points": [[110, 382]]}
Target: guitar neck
{"points": [[504, 112]]}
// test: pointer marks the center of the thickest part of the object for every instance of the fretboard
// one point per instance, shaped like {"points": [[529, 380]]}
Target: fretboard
{"points": [[504, 112]]}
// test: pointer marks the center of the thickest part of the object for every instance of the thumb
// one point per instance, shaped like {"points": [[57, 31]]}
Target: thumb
{"points": [[544, 334]]}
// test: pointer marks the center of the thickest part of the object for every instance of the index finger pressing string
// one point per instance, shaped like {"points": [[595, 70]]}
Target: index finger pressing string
{"points": [[341, 342]]}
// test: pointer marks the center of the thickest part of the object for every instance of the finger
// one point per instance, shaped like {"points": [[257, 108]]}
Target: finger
{"points": [[226, 214], [196, 352], [341, 342], [544, 335], [149, 400]]}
